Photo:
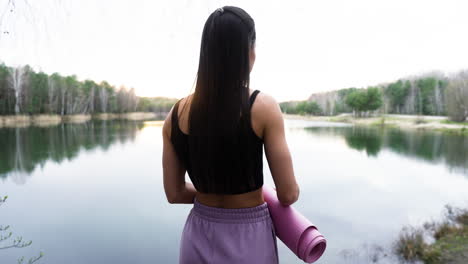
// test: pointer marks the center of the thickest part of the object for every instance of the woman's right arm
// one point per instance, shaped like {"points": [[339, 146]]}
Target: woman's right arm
{"points": [[277, 151]]}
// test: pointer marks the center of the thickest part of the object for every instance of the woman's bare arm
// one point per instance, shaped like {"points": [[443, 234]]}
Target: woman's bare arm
{"points": [[177, 190], [277, 151]]}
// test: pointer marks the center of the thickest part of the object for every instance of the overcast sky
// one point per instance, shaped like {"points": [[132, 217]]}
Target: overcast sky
{"points": [[302, 46]]}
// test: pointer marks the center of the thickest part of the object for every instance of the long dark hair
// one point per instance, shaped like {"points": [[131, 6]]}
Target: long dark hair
{"points": [[220, 103]]}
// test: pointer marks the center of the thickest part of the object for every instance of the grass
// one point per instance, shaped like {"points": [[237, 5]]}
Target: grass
{"points": [[450, 122], [379, 122], [450, 235], [420, 120], [383, 122], [410, 245], [343, 119], [455, 131], [450, 248]]}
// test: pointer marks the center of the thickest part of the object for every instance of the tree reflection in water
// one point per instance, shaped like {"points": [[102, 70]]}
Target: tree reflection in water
{"points": [[23, 149], [434, 147]]}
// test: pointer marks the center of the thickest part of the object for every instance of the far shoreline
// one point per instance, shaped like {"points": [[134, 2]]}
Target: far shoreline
{"points": [[430, 123], [50, 120]]}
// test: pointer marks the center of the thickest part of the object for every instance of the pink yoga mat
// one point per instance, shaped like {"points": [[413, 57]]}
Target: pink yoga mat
{"points": [[296, 231]]}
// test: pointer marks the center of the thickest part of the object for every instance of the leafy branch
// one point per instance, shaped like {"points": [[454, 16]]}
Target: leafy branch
{"points": [[31, 260], [17, 242]]}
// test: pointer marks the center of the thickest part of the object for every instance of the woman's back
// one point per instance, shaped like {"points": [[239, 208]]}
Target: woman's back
{"points": [[266, 120], [221, 160], [245, 199], [217, 135]]}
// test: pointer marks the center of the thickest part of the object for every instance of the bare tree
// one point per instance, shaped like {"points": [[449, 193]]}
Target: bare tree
{"points": [[17, 77], [457, 97]]}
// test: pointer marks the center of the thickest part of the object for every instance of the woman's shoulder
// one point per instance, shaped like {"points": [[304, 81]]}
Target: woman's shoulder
{"points": [[264, 102], [265, 111], [179, 106]]}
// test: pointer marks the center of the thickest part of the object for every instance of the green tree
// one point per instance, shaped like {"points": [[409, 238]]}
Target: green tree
{"points": [[38, 101], [308, 107], [6, 93], [397, 93], [363, 100], [287, 108], [357, 101], [426, 90], [374, 98]]}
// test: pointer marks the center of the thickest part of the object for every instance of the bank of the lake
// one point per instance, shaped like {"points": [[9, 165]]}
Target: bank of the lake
{"points": [[435, 123], [449, 236], [48, 120]]}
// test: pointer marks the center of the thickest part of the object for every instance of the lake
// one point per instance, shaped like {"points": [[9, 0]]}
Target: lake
{"points": [[92, 193]]}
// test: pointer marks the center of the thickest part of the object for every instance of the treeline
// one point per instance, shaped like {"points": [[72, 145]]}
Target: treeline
{"points": [[301, 108], [155, 104], [24, 91], [359, 101], [434, 94]]}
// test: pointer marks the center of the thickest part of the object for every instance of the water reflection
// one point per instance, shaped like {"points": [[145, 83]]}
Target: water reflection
{"points": [[360, 186], [24, 149], [448, 149]]}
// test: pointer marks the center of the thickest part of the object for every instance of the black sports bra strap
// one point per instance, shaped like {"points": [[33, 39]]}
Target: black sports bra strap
{"points": [[175, 117], [253, 96], [175, 112]]}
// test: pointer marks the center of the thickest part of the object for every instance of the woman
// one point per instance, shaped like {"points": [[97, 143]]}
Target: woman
{"points": [[217, 135]]}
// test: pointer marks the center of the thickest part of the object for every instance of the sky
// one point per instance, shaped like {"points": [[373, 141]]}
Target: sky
{"points": [[303, 47]]}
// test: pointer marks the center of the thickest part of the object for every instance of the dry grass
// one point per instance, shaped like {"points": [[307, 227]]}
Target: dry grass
{"points": [[105, 116], [138, 116], [76, 118], [129, 116], [450, 235], [410, 244], [15, 121], [46, 120]]}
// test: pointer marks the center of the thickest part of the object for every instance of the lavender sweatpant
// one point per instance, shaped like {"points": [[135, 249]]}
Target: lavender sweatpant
{"points": [[217, 235]]}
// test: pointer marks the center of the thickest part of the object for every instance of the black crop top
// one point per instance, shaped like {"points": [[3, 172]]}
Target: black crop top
{"points": [[238, 166]]}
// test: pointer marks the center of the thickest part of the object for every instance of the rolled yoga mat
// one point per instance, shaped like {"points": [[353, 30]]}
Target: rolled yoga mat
{"points": [[296, 231]]}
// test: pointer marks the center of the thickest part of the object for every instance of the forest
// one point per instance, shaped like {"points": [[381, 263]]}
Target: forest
{"points": [[25, 91], [431, 94]]}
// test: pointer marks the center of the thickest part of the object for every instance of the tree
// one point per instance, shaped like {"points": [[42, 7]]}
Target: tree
{"points": [[363, 100], [308, 107], [397, 93], [17, 78], [23, 90], [38, 85], [374, 98], [425, 102], [456, 95], [357, 101], [7, 102], [89, 89]]}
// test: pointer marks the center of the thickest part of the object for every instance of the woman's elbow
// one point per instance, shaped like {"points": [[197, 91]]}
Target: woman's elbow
{"points": [[172, 198], [289, 198]]}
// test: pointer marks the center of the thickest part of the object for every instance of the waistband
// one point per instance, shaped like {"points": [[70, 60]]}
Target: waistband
{"points": [[238, 215]]}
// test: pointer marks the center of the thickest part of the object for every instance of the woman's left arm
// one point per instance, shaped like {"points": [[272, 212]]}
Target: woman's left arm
{"points": [[177, 190]]}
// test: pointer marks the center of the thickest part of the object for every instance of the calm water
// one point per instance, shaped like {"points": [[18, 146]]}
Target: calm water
{"points": [[92, 193]]}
